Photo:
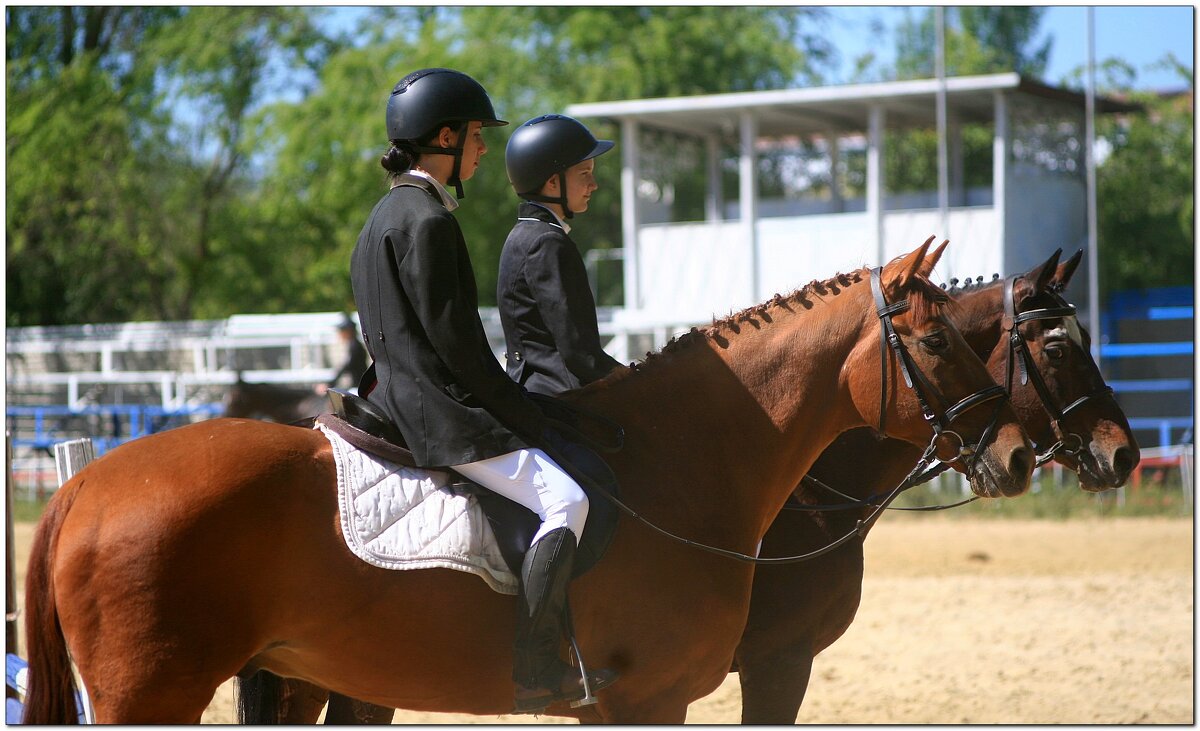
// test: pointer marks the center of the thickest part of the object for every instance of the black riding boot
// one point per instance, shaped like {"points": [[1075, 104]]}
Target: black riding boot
{"points": [[541, 675]]}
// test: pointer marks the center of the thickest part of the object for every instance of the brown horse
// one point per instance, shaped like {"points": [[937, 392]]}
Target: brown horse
{"points": [[179, 560], [272, 402], [798, 610]]}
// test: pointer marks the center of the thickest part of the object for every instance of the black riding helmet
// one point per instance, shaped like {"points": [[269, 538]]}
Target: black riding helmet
{"points": [[546, 146], [428, 99]]}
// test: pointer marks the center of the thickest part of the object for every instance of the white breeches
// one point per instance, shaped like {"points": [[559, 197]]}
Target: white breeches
{"points": [[530, 478]]}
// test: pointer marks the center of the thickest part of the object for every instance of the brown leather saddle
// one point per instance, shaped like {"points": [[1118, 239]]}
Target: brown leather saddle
{"points": [[365, 426]]}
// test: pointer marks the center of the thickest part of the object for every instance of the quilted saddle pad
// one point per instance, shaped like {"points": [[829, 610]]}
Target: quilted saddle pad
{"points": [[399, 517]]}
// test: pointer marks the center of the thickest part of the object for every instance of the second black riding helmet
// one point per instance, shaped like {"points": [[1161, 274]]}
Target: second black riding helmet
{"points": [[427, 98], [545, 146]]}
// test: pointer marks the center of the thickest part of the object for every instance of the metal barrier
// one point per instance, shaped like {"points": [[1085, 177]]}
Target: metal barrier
{"points": [[127, 421], [1165, 424]]}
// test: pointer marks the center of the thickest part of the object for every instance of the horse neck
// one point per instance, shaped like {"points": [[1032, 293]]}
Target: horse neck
{"points": [[722, 424]]}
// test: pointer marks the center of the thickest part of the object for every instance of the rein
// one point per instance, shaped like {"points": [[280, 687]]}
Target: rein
{"points": [[927, 466]]}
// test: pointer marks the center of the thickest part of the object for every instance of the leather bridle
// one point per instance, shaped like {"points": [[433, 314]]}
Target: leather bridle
{"points": [[921, 386], [1020, 360]]}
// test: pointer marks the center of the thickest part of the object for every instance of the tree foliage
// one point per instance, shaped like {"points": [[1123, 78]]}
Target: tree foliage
{"points": [[119, 208], [1146, 195], [171, 163], [979, 40]]}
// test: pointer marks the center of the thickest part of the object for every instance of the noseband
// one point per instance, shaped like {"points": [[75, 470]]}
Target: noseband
{"points": [[921, 386], [1020, 359]]}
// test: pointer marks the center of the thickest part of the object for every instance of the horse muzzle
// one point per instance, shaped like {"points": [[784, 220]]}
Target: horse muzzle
{"points": [[1005, 467]]}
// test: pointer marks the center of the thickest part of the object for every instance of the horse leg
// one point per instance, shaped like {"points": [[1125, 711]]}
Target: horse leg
{"points": [[346, 711], [773, 684], [265, 698]]}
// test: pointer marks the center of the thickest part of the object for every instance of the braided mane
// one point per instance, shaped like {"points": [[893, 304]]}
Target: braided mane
{"points": [[924, 300], [970, 286]]}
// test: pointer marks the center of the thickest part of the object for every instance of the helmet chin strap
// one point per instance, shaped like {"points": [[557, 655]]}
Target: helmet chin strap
{"points": [[561, 200], [456, 152]]}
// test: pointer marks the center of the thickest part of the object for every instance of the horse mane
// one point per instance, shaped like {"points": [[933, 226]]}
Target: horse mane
{"points": [[970, 286], [924, 300]]}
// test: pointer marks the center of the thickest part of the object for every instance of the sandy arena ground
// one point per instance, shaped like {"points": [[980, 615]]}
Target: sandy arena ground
{"points": [[981, 621]]}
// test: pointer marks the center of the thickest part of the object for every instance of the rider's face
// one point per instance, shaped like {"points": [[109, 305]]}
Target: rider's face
{"points": [[473, 149], [581, 183]]}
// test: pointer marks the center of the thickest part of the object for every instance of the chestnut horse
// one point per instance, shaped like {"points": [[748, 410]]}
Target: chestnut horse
{"points": [[181, 559], [797, 610]]}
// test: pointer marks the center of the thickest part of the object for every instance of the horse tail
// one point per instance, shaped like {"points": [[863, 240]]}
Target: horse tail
{"points": [[50, 695], [260, 699]]}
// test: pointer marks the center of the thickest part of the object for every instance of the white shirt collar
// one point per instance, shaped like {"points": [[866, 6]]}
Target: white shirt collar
{"points": [[563, 224], [449, 201]]}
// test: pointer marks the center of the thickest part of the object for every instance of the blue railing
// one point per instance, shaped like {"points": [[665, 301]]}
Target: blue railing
{"points": [[126, 421], [1163, 425], [1145, 350]]}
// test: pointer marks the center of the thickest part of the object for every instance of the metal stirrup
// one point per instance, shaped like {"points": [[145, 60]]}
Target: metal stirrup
{"points": [[588, 699]]}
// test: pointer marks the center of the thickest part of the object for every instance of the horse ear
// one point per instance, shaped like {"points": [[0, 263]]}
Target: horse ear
{"points": [[1040, 276], [1065, 270], [904, 268], [931, 260]]}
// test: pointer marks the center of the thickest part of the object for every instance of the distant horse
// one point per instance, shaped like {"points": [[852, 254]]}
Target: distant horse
{"points": [[800, 609], [181, 559], [272, 402]]}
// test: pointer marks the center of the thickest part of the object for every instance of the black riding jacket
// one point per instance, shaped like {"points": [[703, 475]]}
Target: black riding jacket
{"points": [[547, 308], [418, 305]]}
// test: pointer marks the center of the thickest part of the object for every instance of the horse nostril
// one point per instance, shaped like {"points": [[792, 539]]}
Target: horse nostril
{"points": [[1123, 463], [1020, 462]]}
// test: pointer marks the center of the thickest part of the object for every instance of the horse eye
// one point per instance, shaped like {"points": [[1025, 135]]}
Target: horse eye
{"points": [[1057, 351], [934, 342]]}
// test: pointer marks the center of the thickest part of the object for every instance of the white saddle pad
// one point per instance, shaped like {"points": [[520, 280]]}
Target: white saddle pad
{"points": [[398, 517]]}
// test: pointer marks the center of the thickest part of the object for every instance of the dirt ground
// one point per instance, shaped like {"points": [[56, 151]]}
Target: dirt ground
{"points": [[985, 622]]}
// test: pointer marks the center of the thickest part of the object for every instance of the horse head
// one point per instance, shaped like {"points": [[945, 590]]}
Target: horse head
{"points": [[928, 369], [1054, 383]]}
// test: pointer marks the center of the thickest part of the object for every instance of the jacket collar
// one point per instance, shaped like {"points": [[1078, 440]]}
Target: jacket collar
{"points": [[534, 211], [421, 179]]}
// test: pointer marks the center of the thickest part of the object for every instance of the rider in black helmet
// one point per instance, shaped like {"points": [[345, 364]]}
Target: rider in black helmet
{"points": [[546, 304], [434, 372]]}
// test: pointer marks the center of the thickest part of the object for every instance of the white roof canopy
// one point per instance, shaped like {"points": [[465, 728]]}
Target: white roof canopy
{"points": [[824, 109]]}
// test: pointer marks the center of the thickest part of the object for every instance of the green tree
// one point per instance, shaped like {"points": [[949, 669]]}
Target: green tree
{"points": [[1145, 192], [117, 206], [82, 132], [978, 40], [174, 163], [532, 60]]}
